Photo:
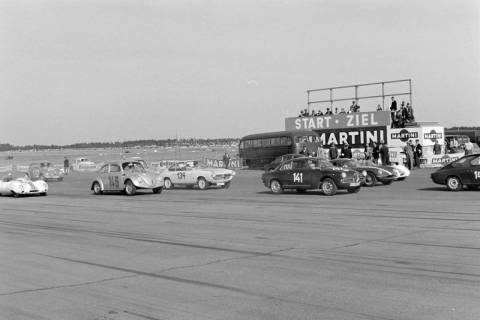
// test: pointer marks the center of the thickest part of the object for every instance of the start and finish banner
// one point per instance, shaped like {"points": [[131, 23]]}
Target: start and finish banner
{"points": [[355, 137], [339, 121]]}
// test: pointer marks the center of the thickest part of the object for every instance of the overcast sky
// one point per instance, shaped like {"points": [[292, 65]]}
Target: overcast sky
{"points": [[112, 70]]}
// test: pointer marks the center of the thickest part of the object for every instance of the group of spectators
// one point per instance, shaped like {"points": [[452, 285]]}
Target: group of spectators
{"points": [[355, 107], [401, 116], [413, 153], [373, 151]]}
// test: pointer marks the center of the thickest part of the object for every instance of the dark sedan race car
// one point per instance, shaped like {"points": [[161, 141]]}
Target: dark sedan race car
{"points": [[464, 171], [305, 173], [372, 172]]}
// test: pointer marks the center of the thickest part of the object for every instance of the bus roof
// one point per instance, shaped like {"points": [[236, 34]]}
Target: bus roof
{"points": [[279, 134]]}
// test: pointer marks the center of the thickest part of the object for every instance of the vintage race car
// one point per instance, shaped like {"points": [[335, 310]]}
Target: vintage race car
{"points": [[125, 176], [272, 165], [464, 171], [83, 165], [21, 185], [45, 171], [402, 172], [373, 173], [307, 173], [188, 174]]}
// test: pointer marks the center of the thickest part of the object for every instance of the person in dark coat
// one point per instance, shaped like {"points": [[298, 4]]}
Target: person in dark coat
{"points": [[384, 154], [375, 152], [417, 153], [305, 151], [346, 152], [333, 151]]}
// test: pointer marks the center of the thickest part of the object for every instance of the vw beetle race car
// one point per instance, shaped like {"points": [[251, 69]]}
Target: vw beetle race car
{"points": [[19, 184], [305, 173], [45, 171], [464, 171], [372, 173], [125, 176], [188, 174]]}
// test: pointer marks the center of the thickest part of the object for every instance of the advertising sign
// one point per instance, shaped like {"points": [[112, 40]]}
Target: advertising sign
{"points": [[344, 120], [355, 137], [234, 163], [425, 134]]}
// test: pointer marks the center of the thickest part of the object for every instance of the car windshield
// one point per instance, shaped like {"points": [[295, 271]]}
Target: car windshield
{"points": [[133, 166]]}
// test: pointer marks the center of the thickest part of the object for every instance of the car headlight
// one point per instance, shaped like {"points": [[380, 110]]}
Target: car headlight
{"points": [[344, 174], [364, 173]]}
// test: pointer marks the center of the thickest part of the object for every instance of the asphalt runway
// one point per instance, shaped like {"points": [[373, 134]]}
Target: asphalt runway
{"points": [[405, 251]]}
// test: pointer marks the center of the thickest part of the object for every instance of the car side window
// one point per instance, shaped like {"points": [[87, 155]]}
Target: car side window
{"points": [[475, 162], [115, 168], [104, 169], [286, 166]]}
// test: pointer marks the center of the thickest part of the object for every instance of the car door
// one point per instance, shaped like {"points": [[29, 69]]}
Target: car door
{"points": [[298, 176], [473, 172], [103, 175], [115, 177], [191, 175]]}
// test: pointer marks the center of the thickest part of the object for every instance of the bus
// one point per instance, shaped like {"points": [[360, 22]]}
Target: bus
{"points": [[257, 150]]}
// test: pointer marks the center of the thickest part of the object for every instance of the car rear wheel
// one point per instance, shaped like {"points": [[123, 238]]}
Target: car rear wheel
{"points": [[370, 179], [202, 183], [454, 184], [168, 183], [329, 187], [97, 189], [157, 190], [130, 188], [276, 187]]}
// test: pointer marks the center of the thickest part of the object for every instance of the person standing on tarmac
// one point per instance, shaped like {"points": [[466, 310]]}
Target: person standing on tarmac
{"points": [[305, 151], [66, 166], [346, 152], [417, 153], [333, 151], [384, 153], [226, 160], [375, 152], [408, 150]]}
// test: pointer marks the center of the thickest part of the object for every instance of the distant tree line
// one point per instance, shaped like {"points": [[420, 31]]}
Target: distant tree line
{"points": [[127, 144], [463, 128]]}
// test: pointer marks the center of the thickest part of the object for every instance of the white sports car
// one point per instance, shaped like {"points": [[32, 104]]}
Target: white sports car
{"points": [[200, 175], [22, 186], [402, 171]]}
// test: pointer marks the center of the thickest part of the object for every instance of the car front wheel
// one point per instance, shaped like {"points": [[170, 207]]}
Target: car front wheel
{"points": [[130, 188], [168, 183], [276, 187], [370, 179], [202, 183], [97, 189], [454, 184], [329, 187]]}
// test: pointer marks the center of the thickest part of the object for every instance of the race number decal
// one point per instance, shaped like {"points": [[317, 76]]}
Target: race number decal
{"points": [[476, 174], [181, 175], [113, 182], [298, 177]]}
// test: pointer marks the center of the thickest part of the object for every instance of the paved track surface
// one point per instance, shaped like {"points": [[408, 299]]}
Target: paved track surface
{"points": [[405, 251]]}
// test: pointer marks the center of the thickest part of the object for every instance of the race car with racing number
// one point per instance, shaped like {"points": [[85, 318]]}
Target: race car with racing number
{"points": [[125, 176], [19, 184], [372, 173], [462, 172], [45, 171], [308, 173], [186, 174]]}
